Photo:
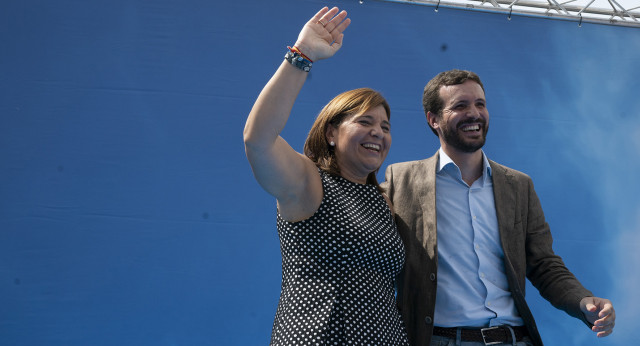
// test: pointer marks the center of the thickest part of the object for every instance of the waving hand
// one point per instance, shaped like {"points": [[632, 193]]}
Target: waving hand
{"points": [[321, 37]]}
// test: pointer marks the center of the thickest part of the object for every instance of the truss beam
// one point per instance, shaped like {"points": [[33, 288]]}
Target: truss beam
{"points": [[552, 9]]}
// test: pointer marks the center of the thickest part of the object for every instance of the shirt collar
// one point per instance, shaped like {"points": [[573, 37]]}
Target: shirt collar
{"points": [[445, 160]]}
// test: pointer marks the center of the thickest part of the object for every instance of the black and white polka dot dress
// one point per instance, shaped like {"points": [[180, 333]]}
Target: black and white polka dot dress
{"points": [[338, 271]]}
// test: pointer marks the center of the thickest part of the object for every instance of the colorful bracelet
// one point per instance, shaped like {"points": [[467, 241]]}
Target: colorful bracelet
{"points": [[297, 59], [297, 50]]}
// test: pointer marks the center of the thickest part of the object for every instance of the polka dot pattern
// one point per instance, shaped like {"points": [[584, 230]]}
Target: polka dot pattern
{"points": [[338, 271]]}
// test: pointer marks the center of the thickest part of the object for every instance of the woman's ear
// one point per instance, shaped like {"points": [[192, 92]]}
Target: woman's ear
{"points": [[330, 134]]}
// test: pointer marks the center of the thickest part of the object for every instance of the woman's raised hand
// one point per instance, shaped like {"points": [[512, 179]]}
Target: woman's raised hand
{"points": [[321, 37]]}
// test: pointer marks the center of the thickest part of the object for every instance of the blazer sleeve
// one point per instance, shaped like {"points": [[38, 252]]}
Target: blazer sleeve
{"points": [[546, 270]]}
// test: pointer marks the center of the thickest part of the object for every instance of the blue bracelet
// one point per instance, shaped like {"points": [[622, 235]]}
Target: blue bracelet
{"points": [[297, 60]]}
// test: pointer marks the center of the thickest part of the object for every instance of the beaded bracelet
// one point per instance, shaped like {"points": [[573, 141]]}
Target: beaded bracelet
{"points": [[295, 57]]}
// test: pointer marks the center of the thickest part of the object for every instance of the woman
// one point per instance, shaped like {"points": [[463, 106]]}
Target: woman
{"points": [[340, 247]]}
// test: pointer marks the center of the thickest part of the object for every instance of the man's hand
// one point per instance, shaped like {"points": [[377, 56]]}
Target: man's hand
{"points": [[600, 313]]}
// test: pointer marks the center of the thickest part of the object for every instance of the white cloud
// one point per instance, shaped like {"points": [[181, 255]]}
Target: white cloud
{"points": [[605, 140]]}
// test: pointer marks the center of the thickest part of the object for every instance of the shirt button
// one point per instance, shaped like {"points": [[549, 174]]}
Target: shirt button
{"points": [[428, 320], [432, 276]]}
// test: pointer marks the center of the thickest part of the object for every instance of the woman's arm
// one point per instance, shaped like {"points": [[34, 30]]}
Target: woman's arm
{"points": [[284, 173]]}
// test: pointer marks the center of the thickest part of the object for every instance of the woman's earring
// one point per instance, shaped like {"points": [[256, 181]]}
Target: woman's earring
{"points": [[332, 143]]}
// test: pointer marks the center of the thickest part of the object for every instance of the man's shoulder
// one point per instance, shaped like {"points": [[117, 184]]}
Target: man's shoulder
{"points": [[407, 164], [498, 168], [411, 165]]}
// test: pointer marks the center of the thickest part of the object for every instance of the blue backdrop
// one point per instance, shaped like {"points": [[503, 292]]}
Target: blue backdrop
{"points": [[129, 214]]}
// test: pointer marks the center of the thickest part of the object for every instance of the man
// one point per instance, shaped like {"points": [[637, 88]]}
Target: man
{"points": [[473, 230]]}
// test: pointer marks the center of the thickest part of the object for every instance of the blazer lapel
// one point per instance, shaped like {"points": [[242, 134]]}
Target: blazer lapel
{"points": [[428, 203], [505, 201]]}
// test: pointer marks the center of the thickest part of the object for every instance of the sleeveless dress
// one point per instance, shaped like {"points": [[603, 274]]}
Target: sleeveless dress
{"points": [[338, 271]]}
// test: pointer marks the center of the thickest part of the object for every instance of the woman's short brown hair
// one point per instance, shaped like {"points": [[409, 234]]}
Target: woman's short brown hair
{"points": [[350, 102]]}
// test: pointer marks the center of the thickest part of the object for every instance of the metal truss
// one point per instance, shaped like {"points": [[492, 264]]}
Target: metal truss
{"points": [[580, 11]]}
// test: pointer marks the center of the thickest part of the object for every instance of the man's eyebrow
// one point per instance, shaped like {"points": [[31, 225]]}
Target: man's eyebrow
{"points": [[464, 100]]}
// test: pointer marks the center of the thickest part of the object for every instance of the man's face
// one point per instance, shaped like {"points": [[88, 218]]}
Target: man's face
{"points": [[464, 122]]}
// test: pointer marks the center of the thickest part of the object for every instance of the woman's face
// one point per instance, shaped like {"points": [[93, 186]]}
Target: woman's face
{"points": [[362, 142]]}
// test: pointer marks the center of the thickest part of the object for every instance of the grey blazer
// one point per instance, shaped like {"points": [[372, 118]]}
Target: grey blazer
{"points": [[524, 233]]}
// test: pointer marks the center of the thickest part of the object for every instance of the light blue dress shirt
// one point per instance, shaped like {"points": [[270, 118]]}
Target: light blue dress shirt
{"points": [[472, 286]]}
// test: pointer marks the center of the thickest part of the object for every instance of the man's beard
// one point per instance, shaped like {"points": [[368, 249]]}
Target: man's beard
{"points": [[455, 140]]}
